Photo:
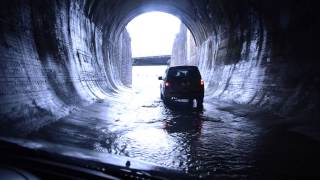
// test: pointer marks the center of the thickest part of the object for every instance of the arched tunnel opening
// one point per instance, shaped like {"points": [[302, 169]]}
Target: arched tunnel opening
{"points": [[158, 40], [65, 71]]}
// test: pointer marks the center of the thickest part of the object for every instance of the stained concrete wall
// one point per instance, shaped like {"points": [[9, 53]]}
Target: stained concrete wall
{"points": [[263, 60], [54, 60], [179, 48], [184, 50], [260, 54], [122, 59]]}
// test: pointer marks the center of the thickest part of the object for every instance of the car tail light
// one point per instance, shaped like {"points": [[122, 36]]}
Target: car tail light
{"points": [[202, 82], [167, 84]]}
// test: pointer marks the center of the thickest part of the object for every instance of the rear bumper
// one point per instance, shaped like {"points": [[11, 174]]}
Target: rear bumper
{"points": [[184, 95]]}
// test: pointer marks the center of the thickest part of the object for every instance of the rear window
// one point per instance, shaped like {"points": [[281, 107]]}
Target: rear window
{"points": [[183, 73]]}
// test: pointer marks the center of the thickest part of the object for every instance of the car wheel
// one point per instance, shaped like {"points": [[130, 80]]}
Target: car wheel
{"points": [[199, 103], [190, 102], [166, 100]]}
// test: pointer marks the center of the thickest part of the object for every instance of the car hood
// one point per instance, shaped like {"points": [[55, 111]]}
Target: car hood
{"points": [[83, 155]]}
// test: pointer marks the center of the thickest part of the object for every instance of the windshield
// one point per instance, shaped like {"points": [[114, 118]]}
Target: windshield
{"points": [[184, 73]]}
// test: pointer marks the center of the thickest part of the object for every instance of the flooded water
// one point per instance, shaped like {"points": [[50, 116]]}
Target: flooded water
{"points": [[222, 141]]}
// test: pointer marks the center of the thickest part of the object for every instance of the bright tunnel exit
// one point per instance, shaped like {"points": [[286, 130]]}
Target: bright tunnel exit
{"points": [[156, 38], [153, 34]]}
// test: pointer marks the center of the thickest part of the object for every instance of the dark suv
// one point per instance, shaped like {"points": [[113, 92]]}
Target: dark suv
{"points": [[182, 83]]}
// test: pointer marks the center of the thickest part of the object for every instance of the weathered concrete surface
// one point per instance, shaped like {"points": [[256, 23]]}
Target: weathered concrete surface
{"points": [[259, 54], [179, 48], [184, 48], [122, 59], [54, 60]]}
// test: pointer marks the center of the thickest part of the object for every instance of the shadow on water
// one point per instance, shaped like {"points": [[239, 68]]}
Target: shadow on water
{"points": [[184, 124], [183, 118], [183, 107]]}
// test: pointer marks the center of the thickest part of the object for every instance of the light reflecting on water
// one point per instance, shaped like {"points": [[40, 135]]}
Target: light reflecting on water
{"points": [[137, 124], [180, 137]]}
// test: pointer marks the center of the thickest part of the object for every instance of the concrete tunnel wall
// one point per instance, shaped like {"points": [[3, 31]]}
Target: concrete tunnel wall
{"points": [[59, 55], [53, 60], [258, 53]]}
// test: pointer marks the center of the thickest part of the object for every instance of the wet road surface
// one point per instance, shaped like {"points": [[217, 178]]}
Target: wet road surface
{"points": [[222, 141]]}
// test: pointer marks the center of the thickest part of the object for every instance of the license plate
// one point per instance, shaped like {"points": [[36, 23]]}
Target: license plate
{"points": [[182, 100], [185, 84]]}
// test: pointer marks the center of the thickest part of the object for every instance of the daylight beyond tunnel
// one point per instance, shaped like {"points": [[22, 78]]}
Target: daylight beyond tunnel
{"points": [[57, 56]]}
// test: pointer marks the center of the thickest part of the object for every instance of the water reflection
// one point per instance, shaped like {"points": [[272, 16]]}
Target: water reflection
{"points": [[184, 122], [185, 125], [137, 124]]}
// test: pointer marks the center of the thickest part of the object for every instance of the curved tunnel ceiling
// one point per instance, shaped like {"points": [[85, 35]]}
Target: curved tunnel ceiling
{"points": [[113, 22]]}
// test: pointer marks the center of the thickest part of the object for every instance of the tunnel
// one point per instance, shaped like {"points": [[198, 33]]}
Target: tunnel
{"points": [[59, 57]]}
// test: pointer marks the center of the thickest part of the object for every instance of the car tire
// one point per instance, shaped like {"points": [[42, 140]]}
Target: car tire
{"points": [[190, 102], [199, 103], [166, 100]]}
